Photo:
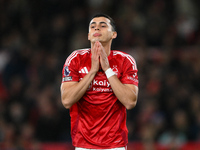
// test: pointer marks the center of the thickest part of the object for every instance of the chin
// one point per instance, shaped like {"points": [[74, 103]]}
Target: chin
{"points": [[94, 40]]}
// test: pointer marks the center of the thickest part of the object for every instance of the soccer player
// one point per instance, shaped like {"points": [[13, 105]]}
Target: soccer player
{"points": [[98, 85]]}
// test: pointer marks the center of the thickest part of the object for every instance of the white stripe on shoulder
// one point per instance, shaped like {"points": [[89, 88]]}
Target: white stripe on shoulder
{"points": [[71, 56], [83, 51], [125, 55], [74, 54], [129, 57]]}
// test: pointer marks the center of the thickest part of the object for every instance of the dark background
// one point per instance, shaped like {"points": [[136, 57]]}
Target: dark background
{"points": [[36, 37]]}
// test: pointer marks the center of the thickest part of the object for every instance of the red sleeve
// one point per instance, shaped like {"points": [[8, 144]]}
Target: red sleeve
{"points": [[129, 75], [70, 68]]}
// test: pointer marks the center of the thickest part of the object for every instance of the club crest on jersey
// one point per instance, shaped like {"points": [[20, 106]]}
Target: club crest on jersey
{"points": [[115, 69], [66, 71]]}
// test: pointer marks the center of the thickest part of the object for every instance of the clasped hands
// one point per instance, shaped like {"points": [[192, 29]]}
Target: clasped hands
{"points": [[99, 57]]}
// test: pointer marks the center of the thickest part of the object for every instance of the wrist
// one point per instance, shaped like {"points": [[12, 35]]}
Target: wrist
{"points": [[92, 72], [109, 72]]}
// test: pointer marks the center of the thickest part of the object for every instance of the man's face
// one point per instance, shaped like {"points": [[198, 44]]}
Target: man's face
{"points": [[100, 29]]}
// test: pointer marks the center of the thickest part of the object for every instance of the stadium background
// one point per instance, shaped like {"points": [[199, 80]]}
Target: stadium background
{"points": [[36, 36]]}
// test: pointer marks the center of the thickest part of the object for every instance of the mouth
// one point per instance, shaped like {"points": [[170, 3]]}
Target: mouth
{"points": [[96, 34]]}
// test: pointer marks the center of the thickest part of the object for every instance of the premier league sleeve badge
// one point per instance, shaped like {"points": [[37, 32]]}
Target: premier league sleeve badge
{"points": [[66, 71], [66, 76]]}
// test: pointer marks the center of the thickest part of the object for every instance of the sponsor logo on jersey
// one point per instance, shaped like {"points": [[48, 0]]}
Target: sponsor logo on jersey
{"points": [[102, 89], [66, 71], [101, 83], [132, 78], [100, 86]]}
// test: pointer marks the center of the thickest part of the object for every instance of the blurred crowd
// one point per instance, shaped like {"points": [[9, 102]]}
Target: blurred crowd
{"points": [[36, 36]]}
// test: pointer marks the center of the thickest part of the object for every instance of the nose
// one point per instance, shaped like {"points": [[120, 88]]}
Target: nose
{"points": [[97, 28]]}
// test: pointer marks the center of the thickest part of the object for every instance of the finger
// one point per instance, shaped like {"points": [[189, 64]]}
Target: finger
{"points": [[93, 48], [96, 47], [101, 48], [97, 51]]}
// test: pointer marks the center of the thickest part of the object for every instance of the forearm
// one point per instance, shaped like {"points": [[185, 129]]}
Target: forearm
{"points": [[127, 95], [72, 93]]}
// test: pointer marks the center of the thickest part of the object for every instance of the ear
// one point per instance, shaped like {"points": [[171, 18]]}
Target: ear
{"points": [[114, 35]]}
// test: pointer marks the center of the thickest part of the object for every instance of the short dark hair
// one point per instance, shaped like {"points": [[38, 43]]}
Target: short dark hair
{"points": [[112, 22]]}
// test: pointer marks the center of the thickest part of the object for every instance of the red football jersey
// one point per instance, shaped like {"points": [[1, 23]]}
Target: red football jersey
{"points": [[98, 119]]}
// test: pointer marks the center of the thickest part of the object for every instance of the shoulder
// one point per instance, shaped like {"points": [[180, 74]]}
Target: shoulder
{"points": [[81, 51], [117, 52], [124, 55], [77, 54]]}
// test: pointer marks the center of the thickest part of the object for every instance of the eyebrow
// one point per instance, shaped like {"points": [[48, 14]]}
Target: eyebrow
{"points": [[102, 22]]}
